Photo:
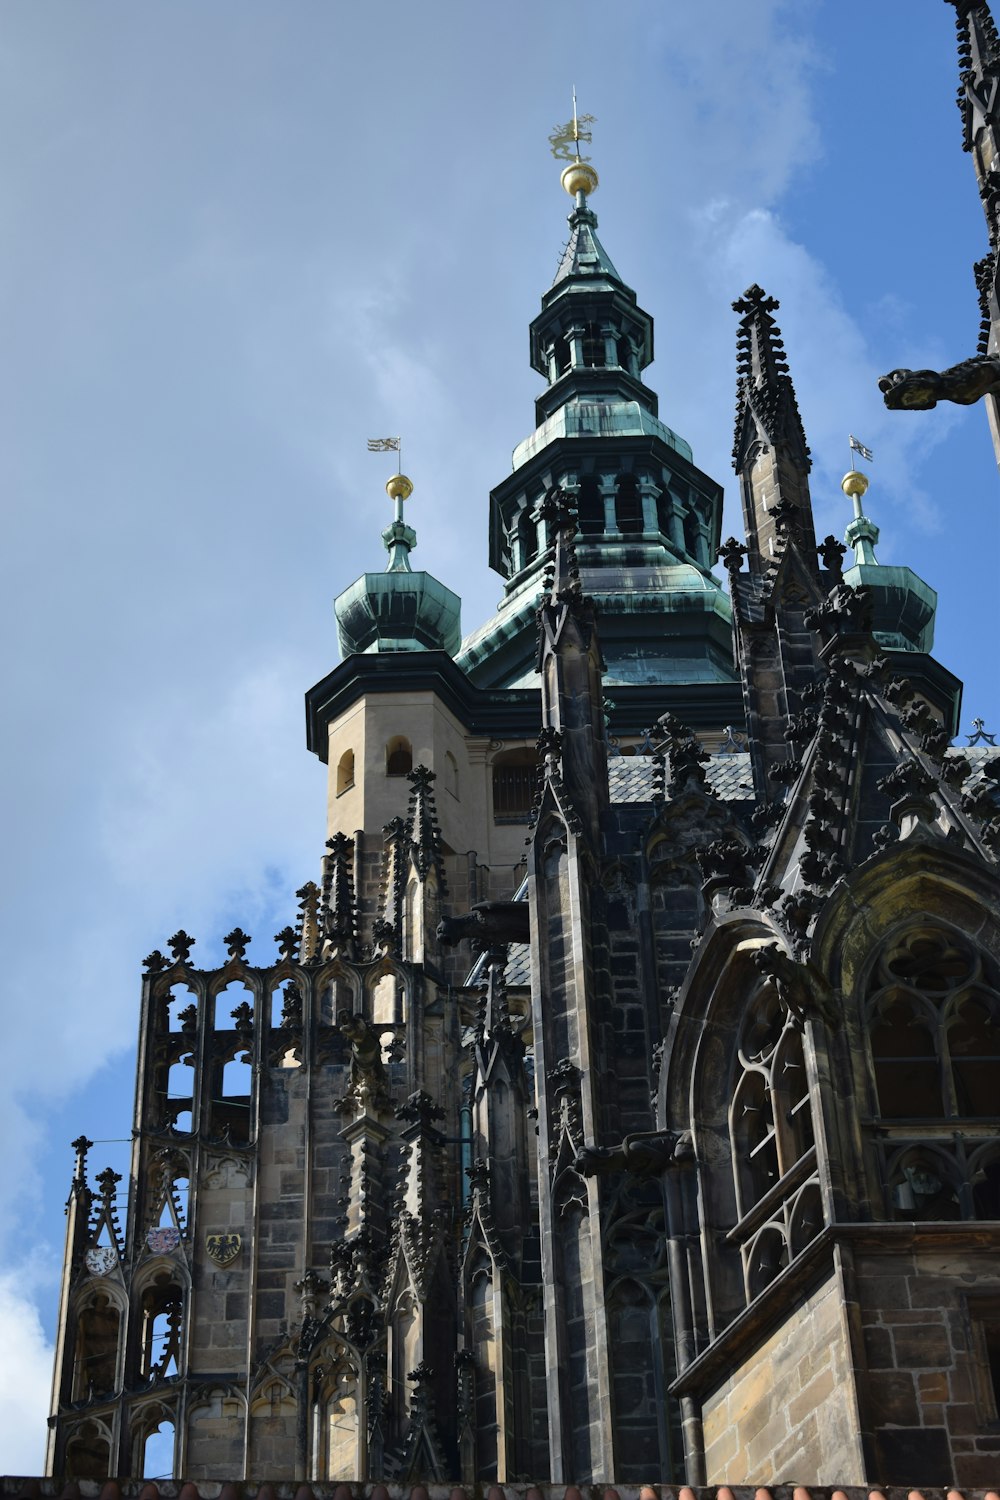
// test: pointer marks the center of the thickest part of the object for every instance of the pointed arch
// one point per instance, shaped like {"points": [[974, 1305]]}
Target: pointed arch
{"points": [[88, 1451], [99, 1316]]}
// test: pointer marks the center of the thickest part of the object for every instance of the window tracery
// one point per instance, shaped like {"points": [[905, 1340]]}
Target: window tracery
{"points": [[932, 1010], [771, 1130]]}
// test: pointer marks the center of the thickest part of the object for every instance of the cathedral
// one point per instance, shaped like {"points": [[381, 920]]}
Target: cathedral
{"points": [[621, 1106]]}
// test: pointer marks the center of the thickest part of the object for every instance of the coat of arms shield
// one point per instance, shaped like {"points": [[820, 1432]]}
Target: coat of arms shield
{"points": [[100, 1259], [223, 1248], [162, 1241]]}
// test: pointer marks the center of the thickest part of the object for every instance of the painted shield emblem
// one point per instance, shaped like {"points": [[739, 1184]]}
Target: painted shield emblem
{"points": [[223, 1248], [162, 1241], [100, 1259]]}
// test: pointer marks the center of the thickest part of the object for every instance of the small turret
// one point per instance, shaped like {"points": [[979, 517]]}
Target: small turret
{"points": [[903, 606], [398, 610]]}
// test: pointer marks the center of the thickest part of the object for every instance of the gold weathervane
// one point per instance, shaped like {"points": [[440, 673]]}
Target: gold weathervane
{"points": [[578, 178], [565, 139]]}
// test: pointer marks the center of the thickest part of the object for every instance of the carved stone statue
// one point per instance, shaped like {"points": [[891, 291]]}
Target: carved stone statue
{"points": [[367, 1070], [919, 390]]}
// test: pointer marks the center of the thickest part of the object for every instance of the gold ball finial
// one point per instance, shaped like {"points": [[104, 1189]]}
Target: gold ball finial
{"points": [[399, 487], [854, 483], [578, 177]]}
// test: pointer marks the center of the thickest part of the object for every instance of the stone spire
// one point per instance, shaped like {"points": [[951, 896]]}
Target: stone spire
{"points": [[338, 914], [979, 100], [572, 744], [979, 106], [770, 453]]}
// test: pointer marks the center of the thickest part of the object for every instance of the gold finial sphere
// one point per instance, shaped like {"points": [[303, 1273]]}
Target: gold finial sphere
{"points": [[398, 487], [854, 483], [578, 177]]}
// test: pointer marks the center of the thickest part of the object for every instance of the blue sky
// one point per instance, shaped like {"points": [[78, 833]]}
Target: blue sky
{"points": [[238, 239]]}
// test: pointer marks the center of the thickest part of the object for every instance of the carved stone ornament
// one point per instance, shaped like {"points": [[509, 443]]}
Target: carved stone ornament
{"points": [[162, 1241], [920, 390], [223, 1248], [100, 1259]]}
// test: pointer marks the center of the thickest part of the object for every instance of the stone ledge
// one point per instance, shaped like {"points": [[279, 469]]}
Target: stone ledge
{"points": [[15, 1488]]}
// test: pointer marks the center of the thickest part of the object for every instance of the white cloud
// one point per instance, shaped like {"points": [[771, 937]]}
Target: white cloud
{"points": [[25, 1379]]}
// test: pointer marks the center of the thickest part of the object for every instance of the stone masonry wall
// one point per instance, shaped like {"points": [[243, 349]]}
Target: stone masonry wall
{"points": [[929, 1395], [790, 1408]]}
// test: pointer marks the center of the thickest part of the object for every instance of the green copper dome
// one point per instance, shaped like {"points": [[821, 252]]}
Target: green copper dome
{"points": [[903, 605], [398, 610]]}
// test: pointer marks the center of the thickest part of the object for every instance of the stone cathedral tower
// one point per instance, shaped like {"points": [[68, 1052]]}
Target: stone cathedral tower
{"points": [[621, 1103]]}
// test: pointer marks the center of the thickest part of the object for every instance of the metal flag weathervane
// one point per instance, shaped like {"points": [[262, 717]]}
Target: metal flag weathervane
{"points": [[388, 445], [857, 447], [565, 139]]}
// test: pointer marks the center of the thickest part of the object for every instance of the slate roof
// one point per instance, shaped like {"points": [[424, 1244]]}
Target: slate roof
{"points": [[631, 777]]}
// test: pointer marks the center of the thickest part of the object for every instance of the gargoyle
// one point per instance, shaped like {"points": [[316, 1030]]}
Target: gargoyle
{"points": [[645, 1154], [920, 390], [489, 923], [367, 1070]]}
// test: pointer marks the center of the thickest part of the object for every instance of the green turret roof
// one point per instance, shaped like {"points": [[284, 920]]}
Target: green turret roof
{"points": [[398, 610], [584, 255]]}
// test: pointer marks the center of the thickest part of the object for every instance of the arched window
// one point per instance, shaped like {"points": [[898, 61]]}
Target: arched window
{"points": [[628, 504], [692, 536], [161, 1307], [590, 507], [561, 355], [527, 536], [624, 353], [158, 1443], [594, 352], [515, 781], [88, 1452], [345, 772], [182, 1007], [933, 1013], [232, 1102], [180, 1094], [96, 1365], [778, 1196], [398, 756]]}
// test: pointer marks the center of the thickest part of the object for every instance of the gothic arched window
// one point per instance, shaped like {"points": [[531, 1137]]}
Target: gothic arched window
{"points": [[88, 1452], [161, 1308], [96, 1364], [933, 1013], [771, 1129]]}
